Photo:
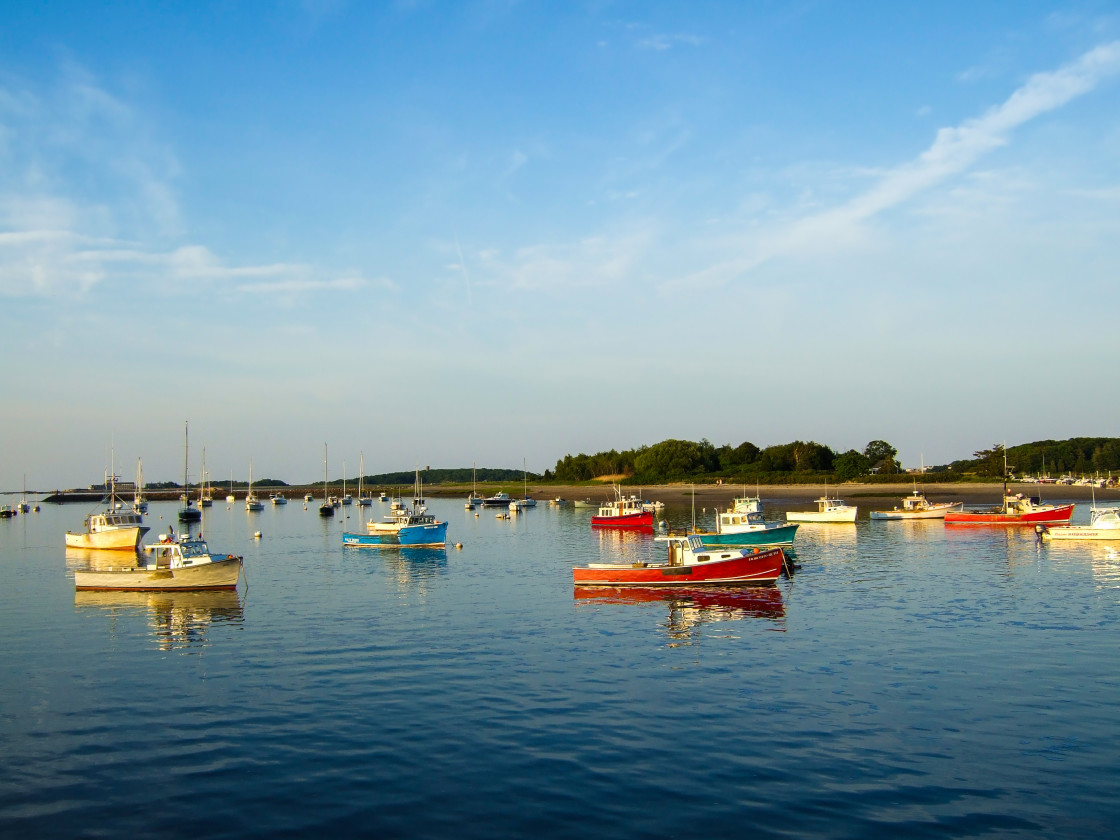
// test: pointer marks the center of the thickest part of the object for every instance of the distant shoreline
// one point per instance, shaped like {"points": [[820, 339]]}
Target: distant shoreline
{"points": [[723, 493], [969, 493]]}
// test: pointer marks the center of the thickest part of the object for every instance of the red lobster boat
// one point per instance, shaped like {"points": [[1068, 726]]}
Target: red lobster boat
{"points": [[690, 563], [1016, 510], [622, 513]]}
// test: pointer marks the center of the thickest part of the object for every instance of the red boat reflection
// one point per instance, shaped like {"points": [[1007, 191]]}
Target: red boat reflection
{"points": [[721, 603]]}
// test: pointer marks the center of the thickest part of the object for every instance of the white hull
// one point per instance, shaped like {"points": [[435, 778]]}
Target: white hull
{"points": [[845, 515], [935, 511], [222, 574], [1081, 532], [121, 539]]}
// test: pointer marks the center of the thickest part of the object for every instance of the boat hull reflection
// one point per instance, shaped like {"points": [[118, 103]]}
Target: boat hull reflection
{"points": [[723, 603], [176, 619]]}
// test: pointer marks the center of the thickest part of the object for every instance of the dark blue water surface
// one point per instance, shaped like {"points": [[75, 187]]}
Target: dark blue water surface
{"points": [[911, 680]]}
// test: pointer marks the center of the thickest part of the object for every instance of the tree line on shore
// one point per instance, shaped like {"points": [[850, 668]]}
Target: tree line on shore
{"points": [[798, 462], [807, 462]]}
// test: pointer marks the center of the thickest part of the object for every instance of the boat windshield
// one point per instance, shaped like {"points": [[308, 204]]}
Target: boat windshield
{"points": [[194, 548]]}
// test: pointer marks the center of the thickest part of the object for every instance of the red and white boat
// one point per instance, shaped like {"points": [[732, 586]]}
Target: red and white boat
{"points": [[623, 513], [1017, 509], [689, 563]]}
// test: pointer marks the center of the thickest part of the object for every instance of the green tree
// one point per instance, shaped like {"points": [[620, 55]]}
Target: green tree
{"points": [[851, 465], [778, 458], [990, 461], [671, 459], [882, 455]]}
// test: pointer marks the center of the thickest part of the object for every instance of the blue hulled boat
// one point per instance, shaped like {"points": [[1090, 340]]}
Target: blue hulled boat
{"points": [[735, 528], [407, 526]]}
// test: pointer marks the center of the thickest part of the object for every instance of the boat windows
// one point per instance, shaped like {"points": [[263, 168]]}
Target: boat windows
{"points": [[194, 549]]}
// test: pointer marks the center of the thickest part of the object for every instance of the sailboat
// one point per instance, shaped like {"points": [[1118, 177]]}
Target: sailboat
{"points": [[347, 499], [24, 506], [205, 497], [252, 503], [524, 501], [363, 500], [473, 499], [187, 513], [139, 503], [326, 508]]}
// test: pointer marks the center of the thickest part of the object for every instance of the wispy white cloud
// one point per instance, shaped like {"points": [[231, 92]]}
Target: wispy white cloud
{"points": [[953, 151], [59, 237], [598, 261]]}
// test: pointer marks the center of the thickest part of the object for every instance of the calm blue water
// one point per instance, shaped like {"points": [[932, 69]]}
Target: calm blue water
{"points": [[911, 679]]}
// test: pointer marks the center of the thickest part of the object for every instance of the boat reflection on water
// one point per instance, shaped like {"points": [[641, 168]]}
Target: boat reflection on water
{"points": [[625, 546], [691, 608], [1073, 556], [176, 620], [410, 566]]}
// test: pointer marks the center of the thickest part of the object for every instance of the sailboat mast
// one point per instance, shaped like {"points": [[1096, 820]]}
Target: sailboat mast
{"points": [[186, 450]]}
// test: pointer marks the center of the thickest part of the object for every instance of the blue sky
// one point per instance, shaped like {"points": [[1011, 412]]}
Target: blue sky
{"points": [[484, 232]]}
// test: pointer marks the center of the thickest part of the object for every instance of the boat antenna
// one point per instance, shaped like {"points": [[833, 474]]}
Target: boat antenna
{"points": [[1005, 469]]}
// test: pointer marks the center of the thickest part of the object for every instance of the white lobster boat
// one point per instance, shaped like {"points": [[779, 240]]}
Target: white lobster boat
{"points": [[917, 506], [1104, 524], [119, 529], [185, 564], [828, 510]]}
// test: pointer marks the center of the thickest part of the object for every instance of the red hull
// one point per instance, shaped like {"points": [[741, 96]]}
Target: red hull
{"points": [[761, 568], [1059, 514], [628, 520]]}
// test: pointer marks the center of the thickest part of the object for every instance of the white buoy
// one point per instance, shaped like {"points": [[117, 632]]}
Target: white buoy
{"points": [[256, 535]]}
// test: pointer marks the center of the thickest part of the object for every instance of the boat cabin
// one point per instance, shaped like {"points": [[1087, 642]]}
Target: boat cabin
{"points": [[746, 504], [167, 554], [621, 507], [915, 502], [741, 520], [688, 550], [113, 521]]}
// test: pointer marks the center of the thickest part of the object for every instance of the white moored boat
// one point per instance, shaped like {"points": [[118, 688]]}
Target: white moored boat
{"points": [[1104, 524], [828, 510], [168, 565], [917, 506], [117, 528], [252, 501]]}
